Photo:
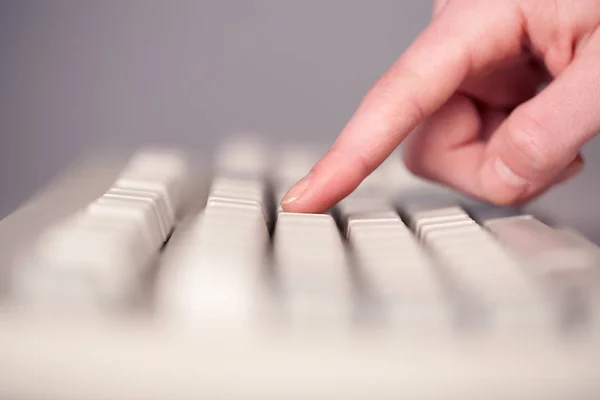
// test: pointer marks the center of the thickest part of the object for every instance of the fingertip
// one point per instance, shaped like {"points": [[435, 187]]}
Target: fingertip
{"points": [[334, 177], [295, 192]]}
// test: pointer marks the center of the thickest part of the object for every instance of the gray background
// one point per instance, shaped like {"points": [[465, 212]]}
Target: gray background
{"points": [[78, 74]]}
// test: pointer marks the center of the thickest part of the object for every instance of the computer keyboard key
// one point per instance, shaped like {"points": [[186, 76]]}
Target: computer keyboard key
{"points": [[214, 279], [164, 166], [457, 229], [397, 276], [400, 278], [539, 242], [241, 192], [97, 261], [164, 190], [423, 217], [105, 250], [564, 265], [482, 212], [312, 271], [153, 201], [489, 282], [130, 211]]}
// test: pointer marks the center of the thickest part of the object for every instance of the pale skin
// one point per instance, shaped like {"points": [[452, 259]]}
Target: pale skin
{"points": [[463, 99]]}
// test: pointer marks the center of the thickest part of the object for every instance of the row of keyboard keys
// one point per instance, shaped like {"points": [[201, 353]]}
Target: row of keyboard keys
{"points": [[97, 258], [163, 174], [81, 264], [565, 266], [543, 245], [426, 271], [154, 201], [312, 270], [249, 193], [212, 273], [216, 268], [493, 289], [396, 271]]}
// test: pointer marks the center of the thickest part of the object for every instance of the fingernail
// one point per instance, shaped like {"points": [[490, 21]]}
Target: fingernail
{"points": [[507, 175], [296, 191]]}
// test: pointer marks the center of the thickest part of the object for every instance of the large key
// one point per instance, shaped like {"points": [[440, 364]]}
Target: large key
{"points": [[98, 258], [213, 273], [312, 271], [399, 276], [495, 292], [566, 265]]}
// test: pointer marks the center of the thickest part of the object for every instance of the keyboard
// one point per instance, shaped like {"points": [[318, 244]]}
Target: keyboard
{"points": [[159, 275]]}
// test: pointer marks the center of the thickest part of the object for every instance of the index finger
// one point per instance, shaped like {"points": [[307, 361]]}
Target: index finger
{"points": [[463, 38]]}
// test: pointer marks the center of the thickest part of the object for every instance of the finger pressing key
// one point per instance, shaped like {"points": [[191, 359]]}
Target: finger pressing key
{"points": [[423, 79]]}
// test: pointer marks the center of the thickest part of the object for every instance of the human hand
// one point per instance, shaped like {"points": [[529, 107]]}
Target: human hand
{"points": [[465, 91]]}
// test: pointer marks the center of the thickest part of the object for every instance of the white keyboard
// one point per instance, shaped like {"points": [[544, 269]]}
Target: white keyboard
{"points": [[153, 277]]}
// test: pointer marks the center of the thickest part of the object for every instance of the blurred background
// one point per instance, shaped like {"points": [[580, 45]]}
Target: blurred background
{"points": [[83, 74]]}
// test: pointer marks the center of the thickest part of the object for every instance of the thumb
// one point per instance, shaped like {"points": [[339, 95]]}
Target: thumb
{"points": [[543, 136]]}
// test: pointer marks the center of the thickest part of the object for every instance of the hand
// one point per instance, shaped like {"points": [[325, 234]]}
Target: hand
{"points": [[465, 91]]}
